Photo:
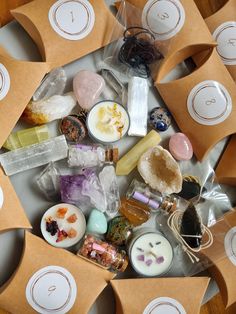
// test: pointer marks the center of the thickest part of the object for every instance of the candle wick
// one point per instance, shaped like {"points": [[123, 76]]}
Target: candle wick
{"points": [[153, 254]]}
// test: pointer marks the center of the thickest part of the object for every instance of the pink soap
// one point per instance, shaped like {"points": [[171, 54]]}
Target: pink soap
{"points": [[87, 87], [180, 147]]}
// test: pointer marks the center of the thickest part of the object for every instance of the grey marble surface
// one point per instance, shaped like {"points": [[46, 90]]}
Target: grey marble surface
{"points": [[20, 46]]}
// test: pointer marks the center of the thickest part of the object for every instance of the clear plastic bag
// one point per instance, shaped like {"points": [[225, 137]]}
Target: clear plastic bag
{"points": [[210, 220], [137, 49]]}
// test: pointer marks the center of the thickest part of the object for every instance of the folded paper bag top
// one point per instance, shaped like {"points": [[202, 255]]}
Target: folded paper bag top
{"points": [[66, 30], [18, 82], [52, 280], [164, 295], [12, 215], [6, 6], [224, 269], [226, 168], [175, 21], [204, 107]]}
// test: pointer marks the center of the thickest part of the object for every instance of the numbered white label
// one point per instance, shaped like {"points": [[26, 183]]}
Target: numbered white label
{"points": [[1, 198], [51, 290], [209, 103], [4, 81], [164, 306], [230, 245], [72, 19], [164, 18], [225, 35]]}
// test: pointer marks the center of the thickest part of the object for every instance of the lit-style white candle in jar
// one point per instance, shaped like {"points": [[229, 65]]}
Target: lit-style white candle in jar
{"points": [[108, 122], [150, 253]]}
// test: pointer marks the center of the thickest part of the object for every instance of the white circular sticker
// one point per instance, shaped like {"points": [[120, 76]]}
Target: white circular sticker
{"points": [[1, 197], [72, 19], [4, 81], [225, 35], [230, 245], [164, 18], [51, 290], [209, 103], [164, 305]]}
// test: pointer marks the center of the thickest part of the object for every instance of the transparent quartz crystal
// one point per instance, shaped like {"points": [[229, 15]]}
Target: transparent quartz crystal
{"points": [[110, 186], [118, 89], [34, 156], [48, 182], [154, 200], [53, 84], [94, 190]]}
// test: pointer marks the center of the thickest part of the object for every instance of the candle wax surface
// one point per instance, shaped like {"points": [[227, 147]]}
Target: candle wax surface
{"points": [[79, 225], [151, 254], [108, 122]]}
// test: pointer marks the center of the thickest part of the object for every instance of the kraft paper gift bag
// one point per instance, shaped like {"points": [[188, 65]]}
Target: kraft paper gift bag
{"points": [[149, 295], [50, 279], [204, 107], [66, 30], [18, 82]]}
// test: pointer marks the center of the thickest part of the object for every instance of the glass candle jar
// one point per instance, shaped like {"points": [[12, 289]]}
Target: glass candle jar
{"points": [[103, 254], [150, 253], [108, 122]]}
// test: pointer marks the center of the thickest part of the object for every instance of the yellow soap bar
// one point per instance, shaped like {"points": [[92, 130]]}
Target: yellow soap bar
{"points": [[130, 160]]}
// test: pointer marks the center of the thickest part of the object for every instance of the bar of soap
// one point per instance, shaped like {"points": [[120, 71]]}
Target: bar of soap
{"points": [[87, 87], [129, 161]]}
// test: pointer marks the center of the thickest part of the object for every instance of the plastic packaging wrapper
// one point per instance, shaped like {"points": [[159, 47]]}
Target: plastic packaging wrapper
{"points": [[203, 218], [137, 49]]}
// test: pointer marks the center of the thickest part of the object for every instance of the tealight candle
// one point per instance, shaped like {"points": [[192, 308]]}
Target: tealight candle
{"points": [[63, 225], [150, 254], [108, 122]]}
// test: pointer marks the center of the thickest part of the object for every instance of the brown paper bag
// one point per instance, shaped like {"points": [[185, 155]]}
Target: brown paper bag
{"points": [[204, 107], [209, 7], [222, 25], [66, 30], [146, 295], [6, 6], [12, 215], [18, 82], [224, 269], [184, 17], [226, 168], [49, 279]]}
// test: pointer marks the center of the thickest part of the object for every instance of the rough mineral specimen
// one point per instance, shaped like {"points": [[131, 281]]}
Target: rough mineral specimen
{"points": [[53, 108], [159, 169]]}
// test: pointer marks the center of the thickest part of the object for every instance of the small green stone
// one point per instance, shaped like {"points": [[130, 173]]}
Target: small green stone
{"points": [[97, 222]]}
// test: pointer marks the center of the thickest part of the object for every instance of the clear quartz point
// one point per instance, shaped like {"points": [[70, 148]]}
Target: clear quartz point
{"points": [[53, 84], [110, 186], [48, 182]]}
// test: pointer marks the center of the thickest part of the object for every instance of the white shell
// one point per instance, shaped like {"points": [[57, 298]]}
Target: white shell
{"points": [[159, 170]]}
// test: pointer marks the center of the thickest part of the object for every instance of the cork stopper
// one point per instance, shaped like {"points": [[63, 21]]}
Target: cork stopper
{"points": [[112, 155], [121, 262]]}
